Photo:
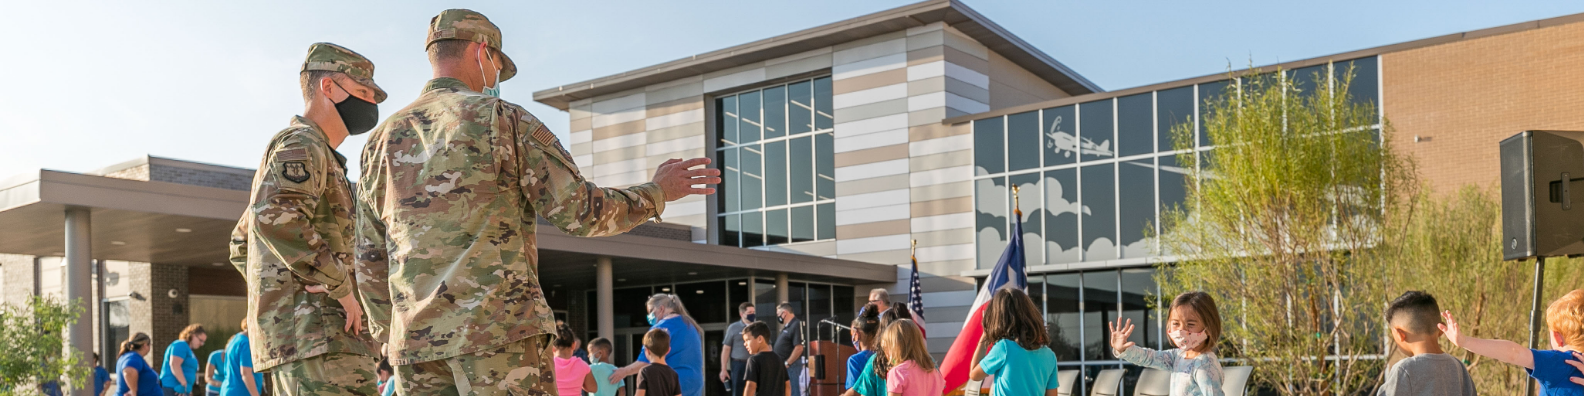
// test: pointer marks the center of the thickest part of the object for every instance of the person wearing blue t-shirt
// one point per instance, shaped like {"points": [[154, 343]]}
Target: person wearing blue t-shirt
{"points": [[1018, 357], [865, 328], [240, 380], [136, 378], [213, 376], [1547, 367], [181, 365], [687, 345], [101, 377]]}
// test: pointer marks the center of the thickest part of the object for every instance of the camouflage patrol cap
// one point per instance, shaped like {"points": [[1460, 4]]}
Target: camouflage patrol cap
{"points": [[331, 57], [463, 24]]}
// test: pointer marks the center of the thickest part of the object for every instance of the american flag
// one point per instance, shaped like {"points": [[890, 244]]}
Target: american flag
{"points": [[916, 294]]}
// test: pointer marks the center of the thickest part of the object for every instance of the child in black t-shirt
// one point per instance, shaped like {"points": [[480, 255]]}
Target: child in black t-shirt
{"points": [[766, 375], [657, 379]]}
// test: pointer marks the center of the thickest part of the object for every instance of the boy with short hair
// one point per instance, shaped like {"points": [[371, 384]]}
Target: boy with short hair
{"points": [[1427, 370], [599, 352], [1565, 319], [765, 374], [657, 379]]}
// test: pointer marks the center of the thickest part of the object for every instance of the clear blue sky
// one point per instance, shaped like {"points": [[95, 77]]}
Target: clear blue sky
{"points": [[91, 84]]}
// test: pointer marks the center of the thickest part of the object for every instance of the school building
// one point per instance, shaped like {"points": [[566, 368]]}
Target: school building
{"points": [[840, 144]]}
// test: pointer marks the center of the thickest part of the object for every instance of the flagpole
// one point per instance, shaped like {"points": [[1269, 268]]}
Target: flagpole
{"points": [[1017, 207]]}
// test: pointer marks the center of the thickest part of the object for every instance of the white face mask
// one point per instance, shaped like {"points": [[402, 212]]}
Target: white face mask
{"points": [[495, 90], [1185, 340]]}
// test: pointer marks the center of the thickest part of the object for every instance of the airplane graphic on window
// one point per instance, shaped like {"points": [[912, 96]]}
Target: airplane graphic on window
{"points": [[1067, 144]]}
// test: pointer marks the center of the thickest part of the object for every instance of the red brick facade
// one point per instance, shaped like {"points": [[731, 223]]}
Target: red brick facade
{"points": [[1462, 98]]}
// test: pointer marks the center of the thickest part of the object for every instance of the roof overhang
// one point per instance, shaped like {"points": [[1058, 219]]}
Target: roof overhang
{"points": [[142, 221], [951, 12]]}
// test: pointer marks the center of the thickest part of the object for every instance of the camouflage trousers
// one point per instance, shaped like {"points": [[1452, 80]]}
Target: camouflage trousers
{"points": [[327, 374], [519, 368]]}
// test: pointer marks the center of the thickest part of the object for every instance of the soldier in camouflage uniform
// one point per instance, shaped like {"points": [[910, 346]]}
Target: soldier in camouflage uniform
{"points": [[294, 243], [451, 187]]}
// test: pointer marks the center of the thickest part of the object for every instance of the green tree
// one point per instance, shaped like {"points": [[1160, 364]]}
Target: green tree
{"points": [[1281, 224], [1451, 248], [36, 351]]}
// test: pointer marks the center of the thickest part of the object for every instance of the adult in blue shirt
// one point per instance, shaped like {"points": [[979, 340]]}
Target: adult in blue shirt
{"points": [[240, 380], [687, 345], [101, 377], [181, 366], [214, 376], [136, 377]]}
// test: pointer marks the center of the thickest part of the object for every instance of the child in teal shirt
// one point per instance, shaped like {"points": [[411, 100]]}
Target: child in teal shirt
{"points": [[599, 351], [1014, 333]]}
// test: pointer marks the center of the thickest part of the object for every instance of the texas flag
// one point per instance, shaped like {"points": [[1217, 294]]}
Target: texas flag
{"points": [[1009, 271]]}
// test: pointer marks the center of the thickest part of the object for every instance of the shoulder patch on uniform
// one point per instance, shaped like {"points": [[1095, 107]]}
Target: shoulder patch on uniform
{"points": [[296, 171], [292, 154], [543, 135]]}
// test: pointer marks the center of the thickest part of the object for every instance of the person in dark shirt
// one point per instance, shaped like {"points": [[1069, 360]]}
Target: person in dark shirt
{"points": [[789, 344], [657, 379], [765, 374]]}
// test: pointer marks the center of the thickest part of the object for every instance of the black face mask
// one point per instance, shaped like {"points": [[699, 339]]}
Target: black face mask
{"points": [[359, 115]]}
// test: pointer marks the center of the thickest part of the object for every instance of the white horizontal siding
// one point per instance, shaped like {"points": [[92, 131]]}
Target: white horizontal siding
{"points": [[868, 141], [940, 176], [943, 222], [940, 145], [872, 170]]}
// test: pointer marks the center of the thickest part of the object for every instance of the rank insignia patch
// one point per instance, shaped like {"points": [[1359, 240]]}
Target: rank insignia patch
{"points": [[296, 171]]}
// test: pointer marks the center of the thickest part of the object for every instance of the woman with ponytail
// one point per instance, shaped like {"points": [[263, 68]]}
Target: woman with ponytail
{"points": [[871, 380], [687, 344], [572, 374], [137, 378]]}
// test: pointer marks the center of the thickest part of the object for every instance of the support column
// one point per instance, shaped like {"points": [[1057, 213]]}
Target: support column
{"points": [[782, 288], [78, 284], [605, 296]]}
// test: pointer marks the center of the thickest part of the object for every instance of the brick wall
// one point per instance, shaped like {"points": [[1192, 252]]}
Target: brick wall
{"points": [[17, 274], [1462, 98], [199, 177], [152, 309]]}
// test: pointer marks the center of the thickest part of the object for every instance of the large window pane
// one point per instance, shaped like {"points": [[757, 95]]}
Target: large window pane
{"points": [[988, 143], [1029, 186], [1173, 190], [1061, 136], [1308, 80], [748, 108], [800, 155], [731, 180], [1100, 307], [731, 225], [1136, 189], [1099, 209], [775, 112], [765, 301], [825, 224], [753, 229], [1209, 95], [776, 227], [775, 173], [630, 315], [1139, 293], [705, 301], [802, 223], [800, 108], [823, 115], [1173, 107], [1365, 87], [990, 218], [1135, 124], [1095, 132], [824, 167], [1023, 141], [1062, 318], [1061, 212], [752, 185], [819, 308], [728, 120], [737, 293]]}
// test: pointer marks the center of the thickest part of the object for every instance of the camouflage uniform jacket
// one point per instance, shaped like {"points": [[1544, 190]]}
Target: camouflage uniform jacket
{"points": [[447, 258], [296, 232]]}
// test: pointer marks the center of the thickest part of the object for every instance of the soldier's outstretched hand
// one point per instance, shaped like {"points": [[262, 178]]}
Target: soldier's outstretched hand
{"points": [[354, 310], [677, 177]]}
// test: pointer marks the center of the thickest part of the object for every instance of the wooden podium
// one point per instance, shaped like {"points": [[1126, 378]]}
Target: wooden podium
{"points": [[827, 368]]}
